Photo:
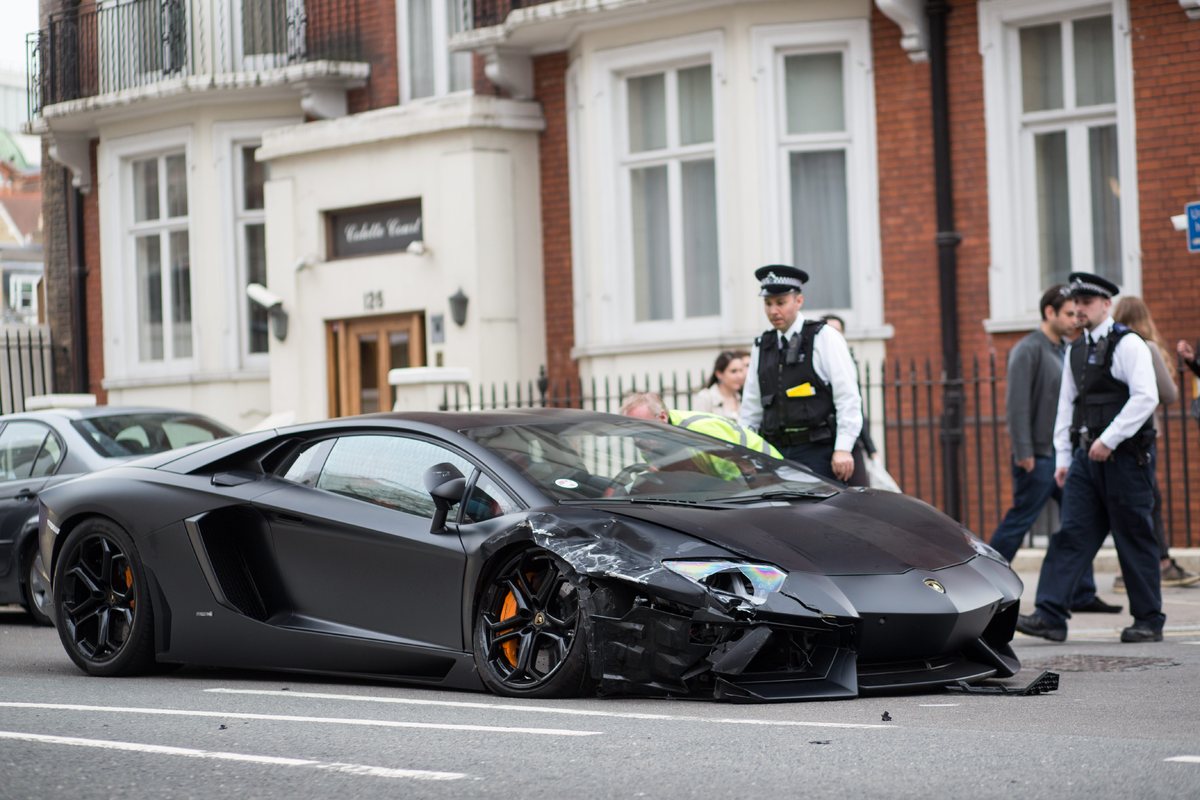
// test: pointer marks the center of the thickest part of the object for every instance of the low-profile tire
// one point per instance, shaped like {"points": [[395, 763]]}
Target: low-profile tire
{"points": [[530, 635], [34, 590], [102, 602]]}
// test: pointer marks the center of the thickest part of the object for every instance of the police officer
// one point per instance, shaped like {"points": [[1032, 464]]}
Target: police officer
{"points": [[801, 390], [1104, 451]]}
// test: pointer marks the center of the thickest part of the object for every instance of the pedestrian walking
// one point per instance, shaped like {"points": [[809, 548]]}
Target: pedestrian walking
{"points": [[802, 390], [723, 393], [1035, 369], [1133, 312], [1104, 451]]}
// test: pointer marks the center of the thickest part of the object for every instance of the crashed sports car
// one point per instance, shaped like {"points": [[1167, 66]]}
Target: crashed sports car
{"points": [[534, 553]]}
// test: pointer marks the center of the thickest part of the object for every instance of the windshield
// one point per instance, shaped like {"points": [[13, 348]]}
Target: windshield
{"points": [[633, 458], [122, 435]]}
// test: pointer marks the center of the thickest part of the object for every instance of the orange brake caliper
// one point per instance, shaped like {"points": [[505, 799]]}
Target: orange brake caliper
{"points": [[129, 584], [507, 611]]}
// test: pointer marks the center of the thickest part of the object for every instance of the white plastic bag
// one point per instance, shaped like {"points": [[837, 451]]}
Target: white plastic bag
{"points": [[878, 477]]}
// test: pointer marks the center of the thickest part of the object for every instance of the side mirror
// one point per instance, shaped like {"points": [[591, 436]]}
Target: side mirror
{"points": [[446, 485]]}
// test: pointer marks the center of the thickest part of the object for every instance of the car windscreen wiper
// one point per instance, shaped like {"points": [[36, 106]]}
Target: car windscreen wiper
{"points": [[647, 500], [781, 494]]}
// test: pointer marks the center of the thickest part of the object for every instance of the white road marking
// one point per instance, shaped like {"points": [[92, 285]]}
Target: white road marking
{"points": [[582, 712], [377, 723], [938, 705], [1184, 759], [276, 761]]}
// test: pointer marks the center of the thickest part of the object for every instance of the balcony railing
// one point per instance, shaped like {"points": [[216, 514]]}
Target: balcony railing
{"points": [[92, 51]]}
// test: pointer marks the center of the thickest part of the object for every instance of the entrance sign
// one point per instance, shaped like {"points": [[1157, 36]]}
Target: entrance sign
{"points": [[370, 230]]}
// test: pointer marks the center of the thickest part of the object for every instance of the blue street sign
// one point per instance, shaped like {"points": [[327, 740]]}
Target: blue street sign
{"points": [[1192, 211]]}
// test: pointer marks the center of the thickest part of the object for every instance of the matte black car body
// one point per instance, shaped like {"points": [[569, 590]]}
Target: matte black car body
{"points": [[248, 569], [64, 452]]}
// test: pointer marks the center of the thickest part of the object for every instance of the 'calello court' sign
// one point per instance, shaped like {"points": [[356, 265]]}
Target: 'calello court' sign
{"points": [[369, 230]]}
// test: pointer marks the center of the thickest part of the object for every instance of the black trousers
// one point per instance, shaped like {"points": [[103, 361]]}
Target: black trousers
{"points": [[818, 456]]}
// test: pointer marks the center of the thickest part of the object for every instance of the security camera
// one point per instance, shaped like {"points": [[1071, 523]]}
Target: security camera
{"points": [[416, 248], [263, 296]]}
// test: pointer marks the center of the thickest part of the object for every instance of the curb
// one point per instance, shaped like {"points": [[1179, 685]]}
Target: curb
{"points": [[1029, 559]]}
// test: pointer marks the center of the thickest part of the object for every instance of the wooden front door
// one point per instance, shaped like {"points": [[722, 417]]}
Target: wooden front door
{"points": [[361, 351]]}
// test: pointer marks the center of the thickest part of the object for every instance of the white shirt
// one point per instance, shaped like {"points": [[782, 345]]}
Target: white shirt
{"points": [[833, 364], [1132, 365]]}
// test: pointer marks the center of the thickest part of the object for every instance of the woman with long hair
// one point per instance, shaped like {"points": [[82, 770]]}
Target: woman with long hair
{"points": [[1132, 312], [723, 393]]}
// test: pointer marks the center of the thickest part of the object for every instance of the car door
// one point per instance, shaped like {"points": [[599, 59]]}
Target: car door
{"points": [[353, 544], [30, 452]]}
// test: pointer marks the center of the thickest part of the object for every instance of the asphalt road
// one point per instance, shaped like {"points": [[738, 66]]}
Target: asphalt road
{"points": [[1124, 723]]}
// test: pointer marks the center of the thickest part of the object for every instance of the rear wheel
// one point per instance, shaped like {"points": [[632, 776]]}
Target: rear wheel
{"points": [[37, 593], [102, 602], [529, 632]]}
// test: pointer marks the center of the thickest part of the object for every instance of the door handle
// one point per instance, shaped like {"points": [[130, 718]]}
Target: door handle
{"points": [[25, 494]]}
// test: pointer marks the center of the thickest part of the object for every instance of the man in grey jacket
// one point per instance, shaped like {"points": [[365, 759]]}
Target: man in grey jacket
{"points": [[1035, 366]]}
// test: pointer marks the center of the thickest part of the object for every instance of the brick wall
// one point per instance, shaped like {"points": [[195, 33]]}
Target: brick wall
{"points": [[377, 28], [94, 314], [549, 73]]}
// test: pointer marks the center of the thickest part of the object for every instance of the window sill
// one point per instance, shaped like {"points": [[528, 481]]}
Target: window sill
{"points": [[1010, 325], [186, 379]]}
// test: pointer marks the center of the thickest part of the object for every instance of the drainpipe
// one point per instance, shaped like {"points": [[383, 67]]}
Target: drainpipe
{"points": [[947, 243], [79, 360]]}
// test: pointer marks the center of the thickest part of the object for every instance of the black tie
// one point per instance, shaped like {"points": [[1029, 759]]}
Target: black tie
{"points": [[783, 341], [1091, 347]]}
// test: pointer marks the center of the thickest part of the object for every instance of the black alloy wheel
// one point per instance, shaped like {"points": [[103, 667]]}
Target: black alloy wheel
{"points": [[529, 639], [35, 590], [101, 601]]}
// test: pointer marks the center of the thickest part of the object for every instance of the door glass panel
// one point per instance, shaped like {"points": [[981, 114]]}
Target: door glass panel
{"points": [[647, 112], [1041, 67], [420, 47], [815, 96], [1053, 206], [651, 218], [1095, 73], [368, 368], [487, 500], [398, 342], [386, 470], [254, 174], [20, 443]]}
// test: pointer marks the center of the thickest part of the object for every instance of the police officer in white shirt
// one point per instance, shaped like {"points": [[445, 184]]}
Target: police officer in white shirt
{"points": [[801, 391], [1104, 453]]}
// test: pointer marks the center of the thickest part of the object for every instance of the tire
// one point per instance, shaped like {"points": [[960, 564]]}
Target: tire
{"points": [[102, 601], [530, 637], [35, 592]]}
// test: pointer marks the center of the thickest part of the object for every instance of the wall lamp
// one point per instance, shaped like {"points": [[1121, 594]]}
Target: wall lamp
{"points": [[273, 303], [458, 307]]}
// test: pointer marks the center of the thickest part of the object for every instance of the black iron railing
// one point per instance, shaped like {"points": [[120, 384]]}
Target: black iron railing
{"points": [[26, 367], [902, 403], [84, 52]]}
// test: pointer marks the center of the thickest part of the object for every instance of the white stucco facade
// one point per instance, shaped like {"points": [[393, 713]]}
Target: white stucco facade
{"points": [[473, 164]]}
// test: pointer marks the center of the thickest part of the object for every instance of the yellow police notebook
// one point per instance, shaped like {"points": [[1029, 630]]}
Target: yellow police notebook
{"points": [[803, 390]]}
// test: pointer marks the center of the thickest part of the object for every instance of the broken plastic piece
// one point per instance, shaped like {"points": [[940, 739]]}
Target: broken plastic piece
{"points": [[886, 717], [1046, 682]]}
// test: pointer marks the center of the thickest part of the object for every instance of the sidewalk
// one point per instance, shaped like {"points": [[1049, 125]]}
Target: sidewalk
{"points": [[1029, 559]]}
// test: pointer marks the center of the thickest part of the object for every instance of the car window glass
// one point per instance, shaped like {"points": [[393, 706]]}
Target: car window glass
{"points": [[133, 439], [48, 459], [20, 443], [386, 470], [306, 464], [181, 433], [119, 435], [487, 500]]}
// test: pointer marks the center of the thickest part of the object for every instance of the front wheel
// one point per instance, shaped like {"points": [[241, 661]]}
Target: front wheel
{"points": [[102, 602], [529, 629]]}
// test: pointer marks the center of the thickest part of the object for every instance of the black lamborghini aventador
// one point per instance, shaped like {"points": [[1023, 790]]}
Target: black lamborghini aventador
{"points": [[534, 553]]}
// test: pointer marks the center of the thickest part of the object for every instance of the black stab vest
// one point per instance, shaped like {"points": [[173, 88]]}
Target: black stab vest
{"points": [[1101, 396], [779, 371]]}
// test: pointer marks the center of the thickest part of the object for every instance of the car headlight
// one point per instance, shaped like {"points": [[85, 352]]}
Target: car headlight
{"points": [[983, 548], [747, 581]]}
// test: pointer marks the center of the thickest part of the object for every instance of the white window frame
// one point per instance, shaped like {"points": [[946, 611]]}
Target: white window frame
{"points": [[612, 68], [22, 286], [441, 52], [852, 38], [119, 289], [228, 139], [1015, 281]]}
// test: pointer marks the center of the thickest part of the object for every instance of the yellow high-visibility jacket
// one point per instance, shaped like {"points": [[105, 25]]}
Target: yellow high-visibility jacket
{"points": [[726, 430]]}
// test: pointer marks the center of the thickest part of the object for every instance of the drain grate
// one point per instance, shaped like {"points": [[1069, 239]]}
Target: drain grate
{"points": [[1084, 663]]}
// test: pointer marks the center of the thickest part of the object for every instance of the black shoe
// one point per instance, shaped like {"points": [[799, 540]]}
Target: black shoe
{"points": [[1033, 625], [1097, 606], [1138, 633]]}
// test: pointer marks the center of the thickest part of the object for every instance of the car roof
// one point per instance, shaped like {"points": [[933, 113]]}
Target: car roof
{"points": [[93, 412], [466, 420]]}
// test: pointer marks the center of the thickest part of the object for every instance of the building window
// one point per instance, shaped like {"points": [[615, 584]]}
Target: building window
{"points": [[250, 229], [428, 67], [816, 95], [158, 235], [1058, 94], [669, 167], [23, 296]]}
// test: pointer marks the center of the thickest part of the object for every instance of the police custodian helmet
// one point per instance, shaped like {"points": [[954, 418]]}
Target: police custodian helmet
{"points": [[780, 279]]}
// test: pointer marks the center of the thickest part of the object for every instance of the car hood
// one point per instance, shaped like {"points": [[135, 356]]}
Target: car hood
{"points": [[850, 533]]}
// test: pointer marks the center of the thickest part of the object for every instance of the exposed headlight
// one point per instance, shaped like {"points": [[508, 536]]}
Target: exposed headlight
{"points": [[750, 582], [983, 548]]}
